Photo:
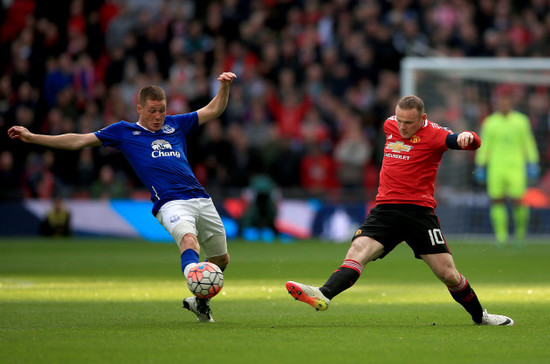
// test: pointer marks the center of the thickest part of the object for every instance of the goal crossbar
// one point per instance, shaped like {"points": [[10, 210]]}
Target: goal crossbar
{"points": [[480, 68]]}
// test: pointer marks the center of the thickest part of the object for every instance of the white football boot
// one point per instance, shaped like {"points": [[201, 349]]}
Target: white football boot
{"points": [[495, 320], [199, 307], [308, 294]]}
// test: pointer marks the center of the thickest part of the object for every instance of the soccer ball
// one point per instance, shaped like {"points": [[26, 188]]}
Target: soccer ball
{"points": [[205, 280]]}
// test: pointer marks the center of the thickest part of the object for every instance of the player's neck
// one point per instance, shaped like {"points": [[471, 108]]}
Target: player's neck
{"points": [[144, 127]]}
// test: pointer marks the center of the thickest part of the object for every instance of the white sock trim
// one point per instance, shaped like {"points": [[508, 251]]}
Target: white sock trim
{"points": [[188, 268]]}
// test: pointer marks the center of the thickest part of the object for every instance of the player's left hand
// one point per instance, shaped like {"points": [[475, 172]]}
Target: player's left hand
{"points": [[465, 139], [227, 77]]}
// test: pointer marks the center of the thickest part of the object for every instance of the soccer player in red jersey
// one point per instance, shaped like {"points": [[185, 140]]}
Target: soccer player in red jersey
{"points": [[404, 211]]}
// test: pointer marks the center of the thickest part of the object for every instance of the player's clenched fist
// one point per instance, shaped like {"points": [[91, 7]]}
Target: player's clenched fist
{"points": [[465, 139], [227, 77]]}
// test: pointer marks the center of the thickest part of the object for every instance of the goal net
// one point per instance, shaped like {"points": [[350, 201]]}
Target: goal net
{"points": [[458, 93]]}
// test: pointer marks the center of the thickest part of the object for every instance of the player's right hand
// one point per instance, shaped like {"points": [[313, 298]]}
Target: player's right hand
{"points": [[480, 175], [19, 132], [227, 77]]}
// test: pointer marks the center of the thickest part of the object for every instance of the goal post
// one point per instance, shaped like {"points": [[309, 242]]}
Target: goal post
{"points": [[458, 93]]}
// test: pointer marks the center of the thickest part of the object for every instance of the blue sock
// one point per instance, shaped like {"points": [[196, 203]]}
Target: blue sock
{"points": [[188, 257]]}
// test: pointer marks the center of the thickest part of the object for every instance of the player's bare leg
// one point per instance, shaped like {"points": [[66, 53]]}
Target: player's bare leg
{"points": [[364, 249], [444, 268]]}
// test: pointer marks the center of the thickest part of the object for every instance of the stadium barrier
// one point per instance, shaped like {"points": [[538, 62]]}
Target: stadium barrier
{"points": [[298, 219]]}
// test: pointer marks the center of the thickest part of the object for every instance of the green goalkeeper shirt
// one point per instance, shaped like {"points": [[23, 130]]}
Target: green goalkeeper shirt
{"points": [[507, 142]]}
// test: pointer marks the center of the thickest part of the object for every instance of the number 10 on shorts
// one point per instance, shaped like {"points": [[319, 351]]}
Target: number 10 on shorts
{"points": [[436, 236]]}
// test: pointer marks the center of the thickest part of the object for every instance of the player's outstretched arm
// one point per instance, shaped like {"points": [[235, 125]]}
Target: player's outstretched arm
{"points": [[69, 141], [467, 140], [217, 105]]}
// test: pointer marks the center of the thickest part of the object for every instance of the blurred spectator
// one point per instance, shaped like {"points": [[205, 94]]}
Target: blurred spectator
{"points": [[58, 220], [7, 96], [238, 107], [9, 178], [288, 109], [109, 185], [114, 71], [258, 219], [352, 153], [283, 160], [26, 97], [246, 161], [84, 79], [216, 154], [318, 171], [257, 124], [86, 171], [314, 130], [59, 76], [38, 178]]}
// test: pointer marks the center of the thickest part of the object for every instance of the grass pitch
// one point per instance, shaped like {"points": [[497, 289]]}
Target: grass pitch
{"points": [[99, 301]]}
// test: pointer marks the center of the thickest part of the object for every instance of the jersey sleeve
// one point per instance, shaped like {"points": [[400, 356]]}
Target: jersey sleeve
{"points": [[452, 141], [189, 123], [110, 135], [482, 153], [439, 136], [531, 152]]}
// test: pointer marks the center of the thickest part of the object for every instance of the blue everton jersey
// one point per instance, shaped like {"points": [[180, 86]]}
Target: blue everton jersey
{"points": [[159, 158]]}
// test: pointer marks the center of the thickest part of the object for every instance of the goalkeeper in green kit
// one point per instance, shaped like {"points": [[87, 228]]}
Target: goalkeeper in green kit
{"points": [[506, 161]]}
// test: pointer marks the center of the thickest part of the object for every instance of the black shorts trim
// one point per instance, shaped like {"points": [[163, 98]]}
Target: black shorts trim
{"points": [[392, 224]]}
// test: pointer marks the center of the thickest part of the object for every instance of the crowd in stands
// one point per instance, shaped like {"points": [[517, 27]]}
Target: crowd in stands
{"points": [[316, 79]]}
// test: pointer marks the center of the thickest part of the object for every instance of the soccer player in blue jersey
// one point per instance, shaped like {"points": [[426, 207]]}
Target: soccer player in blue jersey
{"points": [[155, 146]]}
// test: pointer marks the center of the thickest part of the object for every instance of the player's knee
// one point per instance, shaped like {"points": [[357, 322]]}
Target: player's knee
{"points": [[189, 241], [364, 249], [450, 277], [221, 261]]}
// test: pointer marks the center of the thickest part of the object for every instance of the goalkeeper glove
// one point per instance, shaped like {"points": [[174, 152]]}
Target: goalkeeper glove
{"points": [[533, 171], [480, 175]]}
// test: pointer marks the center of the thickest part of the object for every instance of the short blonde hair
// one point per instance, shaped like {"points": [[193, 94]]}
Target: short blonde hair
{"points": [[411, 102], [154, 93]]}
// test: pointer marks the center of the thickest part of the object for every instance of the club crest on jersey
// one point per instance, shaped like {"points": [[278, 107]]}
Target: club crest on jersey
{"points": [[399, 146], [167, 129], [415, 139], [161, 148]]}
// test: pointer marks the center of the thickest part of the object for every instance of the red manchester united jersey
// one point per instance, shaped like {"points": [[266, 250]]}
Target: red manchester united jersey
{"points": [[409, 166]]}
